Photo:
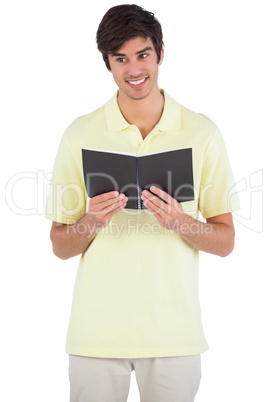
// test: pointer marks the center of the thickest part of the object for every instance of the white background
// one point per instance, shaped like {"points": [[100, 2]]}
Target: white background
{"points": [[51, 72]]}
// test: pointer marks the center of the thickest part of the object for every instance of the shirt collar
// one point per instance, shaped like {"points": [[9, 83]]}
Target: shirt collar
{"points": [[169, 121]]}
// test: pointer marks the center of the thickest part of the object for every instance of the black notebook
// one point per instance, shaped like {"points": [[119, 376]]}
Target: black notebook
{"points": [[172, 171]]}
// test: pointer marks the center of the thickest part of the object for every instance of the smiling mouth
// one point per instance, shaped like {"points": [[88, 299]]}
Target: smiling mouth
{"points": [[137, 83]]}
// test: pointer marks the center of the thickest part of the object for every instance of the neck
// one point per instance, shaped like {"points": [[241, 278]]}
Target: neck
{"points": [[144, 113]]}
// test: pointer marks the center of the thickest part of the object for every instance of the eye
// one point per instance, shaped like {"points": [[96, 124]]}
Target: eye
{"points": [[143, 55], [121, 60]]}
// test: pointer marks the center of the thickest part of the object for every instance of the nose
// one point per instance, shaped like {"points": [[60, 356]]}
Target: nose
{"points": [[134, 69]]}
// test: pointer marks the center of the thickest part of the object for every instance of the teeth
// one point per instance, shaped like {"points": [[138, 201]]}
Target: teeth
{"points": [[137, 82]]}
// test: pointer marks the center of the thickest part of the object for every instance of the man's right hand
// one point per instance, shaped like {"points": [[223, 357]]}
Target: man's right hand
{"points": [[103, 207], [71, 240]]}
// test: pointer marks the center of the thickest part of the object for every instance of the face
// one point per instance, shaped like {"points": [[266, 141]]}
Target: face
{"points": [[135, 69]]}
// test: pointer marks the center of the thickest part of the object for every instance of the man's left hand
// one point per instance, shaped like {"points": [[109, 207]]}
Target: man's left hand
{"points": [[169, 213]]}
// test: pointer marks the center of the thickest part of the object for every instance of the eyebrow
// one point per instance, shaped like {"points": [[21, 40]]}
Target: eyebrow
{"points": [[115, 54]]}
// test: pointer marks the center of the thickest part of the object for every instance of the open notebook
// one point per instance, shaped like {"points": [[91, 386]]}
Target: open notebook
{"points": [[129, 173]]}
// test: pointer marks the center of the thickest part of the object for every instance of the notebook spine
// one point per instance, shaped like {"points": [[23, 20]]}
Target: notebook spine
{"points": [[138, 182]]}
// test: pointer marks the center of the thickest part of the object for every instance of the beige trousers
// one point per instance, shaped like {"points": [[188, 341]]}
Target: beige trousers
{"points": [[159, 379]]}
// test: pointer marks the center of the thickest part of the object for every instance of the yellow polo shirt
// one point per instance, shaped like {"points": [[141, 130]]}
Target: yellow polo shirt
{"points": [[136, 290]]}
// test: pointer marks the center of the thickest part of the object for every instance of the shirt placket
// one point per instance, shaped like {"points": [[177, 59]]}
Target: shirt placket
{"points": [[142, 146]]}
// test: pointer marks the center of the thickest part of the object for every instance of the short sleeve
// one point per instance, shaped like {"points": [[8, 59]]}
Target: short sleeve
{"points": [[66, 202], [217, 193]]}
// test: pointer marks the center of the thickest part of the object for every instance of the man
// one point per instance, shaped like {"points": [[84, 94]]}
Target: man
{"points": [[135, 303]]}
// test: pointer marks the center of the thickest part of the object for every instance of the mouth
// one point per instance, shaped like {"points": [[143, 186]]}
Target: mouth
{"points": [[137, 83]]}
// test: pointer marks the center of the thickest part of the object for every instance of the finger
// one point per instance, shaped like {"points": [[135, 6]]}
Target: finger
{"points": [[155, 206], [111, 201], [104, 200], [112, 213], [165, 219], [148, 197], [163, 194], [105, 207], [105, 196], [115, 206]]}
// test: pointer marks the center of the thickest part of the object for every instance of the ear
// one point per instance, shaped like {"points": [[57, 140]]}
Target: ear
{"points": [[161, 56]]}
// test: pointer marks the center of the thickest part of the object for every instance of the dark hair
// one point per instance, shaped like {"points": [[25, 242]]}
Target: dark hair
{"points": [[125, 22]]}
